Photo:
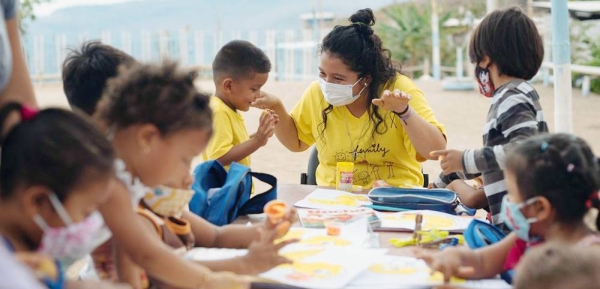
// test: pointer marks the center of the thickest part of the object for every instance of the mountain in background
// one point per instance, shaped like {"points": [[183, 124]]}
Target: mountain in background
{"points": [[155, 15]]}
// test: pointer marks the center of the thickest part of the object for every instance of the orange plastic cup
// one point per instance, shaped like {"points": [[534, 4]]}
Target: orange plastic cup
{"points": [[333, 228], [275, 211]]}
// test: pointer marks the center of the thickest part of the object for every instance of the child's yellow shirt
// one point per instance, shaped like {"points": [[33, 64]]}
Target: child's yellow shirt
{"points": [[229, 130], [390, 156]]}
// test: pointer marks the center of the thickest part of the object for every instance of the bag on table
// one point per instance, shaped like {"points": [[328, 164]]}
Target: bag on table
{"points": [[440, 200]]}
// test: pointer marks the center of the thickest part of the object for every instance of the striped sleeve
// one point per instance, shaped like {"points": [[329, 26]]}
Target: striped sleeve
{"points": [[517, 120]]}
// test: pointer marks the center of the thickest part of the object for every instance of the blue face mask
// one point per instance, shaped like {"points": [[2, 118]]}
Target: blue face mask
{"points": [[513, 217]]}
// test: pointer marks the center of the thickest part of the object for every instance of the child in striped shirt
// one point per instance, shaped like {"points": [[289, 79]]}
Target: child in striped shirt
{"points": [[507, 51]]}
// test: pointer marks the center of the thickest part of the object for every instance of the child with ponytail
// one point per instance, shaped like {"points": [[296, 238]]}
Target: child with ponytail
{"points": [[552, 182]]}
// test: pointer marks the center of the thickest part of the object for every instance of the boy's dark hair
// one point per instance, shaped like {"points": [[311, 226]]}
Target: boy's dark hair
{"points": [[162, 95], [560, 167], [362, 50], [56, 149], [512, 42], [240, 59], [85, 72]]}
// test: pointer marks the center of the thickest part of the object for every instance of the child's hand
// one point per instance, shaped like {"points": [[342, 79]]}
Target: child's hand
{"points": [[283, 225], [396, 101], [447, 262], [381, 184], [451, 161], [266, 101], [266, 127], [263, 253]]}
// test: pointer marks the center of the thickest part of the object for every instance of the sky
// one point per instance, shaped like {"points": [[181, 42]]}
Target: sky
{"points": [[46, 9]]}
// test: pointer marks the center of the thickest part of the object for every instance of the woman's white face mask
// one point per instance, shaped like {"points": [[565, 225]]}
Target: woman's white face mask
{"points": [[339, 94]]}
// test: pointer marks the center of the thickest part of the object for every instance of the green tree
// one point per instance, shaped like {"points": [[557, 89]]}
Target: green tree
{"points": [[594, 45], [406, 31], [26, 11]]}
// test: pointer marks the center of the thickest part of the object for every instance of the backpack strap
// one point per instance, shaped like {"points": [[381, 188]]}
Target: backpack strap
{"points": [[183, 230], [256, 204], [155, 220], [480, 234]]}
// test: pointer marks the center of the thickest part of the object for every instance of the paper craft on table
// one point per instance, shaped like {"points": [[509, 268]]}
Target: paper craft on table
{"points": [[313, 218], [333, 199], [352, 235], [405, 221], [325, 269], [407, 272]]}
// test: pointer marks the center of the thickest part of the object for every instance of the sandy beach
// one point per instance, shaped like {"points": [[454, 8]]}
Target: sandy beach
{"points": [[463, 114]]}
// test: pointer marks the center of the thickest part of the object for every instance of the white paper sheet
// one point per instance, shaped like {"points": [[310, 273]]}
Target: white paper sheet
{"points": [[406, 272], [332, 199], [352, 235], [431, 220], [328, 269], [211, 254]]}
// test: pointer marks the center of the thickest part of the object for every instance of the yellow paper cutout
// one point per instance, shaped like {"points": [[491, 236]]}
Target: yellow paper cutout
{"points": [[439, 277], [343, 200], [429, 221], [293, 233], [317, 270]]}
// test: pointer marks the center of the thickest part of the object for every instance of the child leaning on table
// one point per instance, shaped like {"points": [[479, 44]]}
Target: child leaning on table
{"points": [[552, 181], [85, 74], [159, 122]]}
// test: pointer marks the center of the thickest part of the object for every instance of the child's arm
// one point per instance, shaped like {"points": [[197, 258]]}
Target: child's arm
{"points": [[518, 122], [210, 236], [471, 197], [156, 258], [129, 272], [465, 263], [230, 236], [263, 255], [19, 87], [71, 284], [286, 130], [239, 152]]}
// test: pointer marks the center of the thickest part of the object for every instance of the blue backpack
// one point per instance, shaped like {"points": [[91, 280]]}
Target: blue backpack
{"points": [[230, 192], [480, 234]]}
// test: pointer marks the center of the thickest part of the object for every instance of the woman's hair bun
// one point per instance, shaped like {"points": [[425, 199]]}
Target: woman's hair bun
{"points": [[362, 20]]}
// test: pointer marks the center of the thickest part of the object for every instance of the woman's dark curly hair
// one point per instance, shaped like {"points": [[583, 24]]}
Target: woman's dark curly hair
{"points": [[362, 50]]}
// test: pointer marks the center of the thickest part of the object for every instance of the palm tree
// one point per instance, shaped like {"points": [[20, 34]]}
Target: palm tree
{"points": [[407, 33], [26, 11]]}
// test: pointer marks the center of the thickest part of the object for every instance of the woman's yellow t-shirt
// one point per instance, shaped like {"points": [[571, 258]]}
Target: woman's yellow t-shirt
{"points": [[229, 130], [390, 156]]}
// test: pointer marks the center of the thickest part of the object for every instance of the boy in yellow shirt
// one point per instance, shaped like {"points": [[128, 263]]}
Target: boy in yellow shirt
{"points": [[240, 69]]}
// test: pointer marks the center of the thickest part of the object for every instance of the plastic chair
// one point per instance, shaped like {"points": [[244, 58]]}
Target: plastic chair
{"points": [[309, 177]]}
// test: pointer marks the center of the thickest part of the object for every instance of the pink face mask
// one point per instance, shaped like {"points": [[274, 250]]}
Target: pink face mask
{"points": [[73, 241]]}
